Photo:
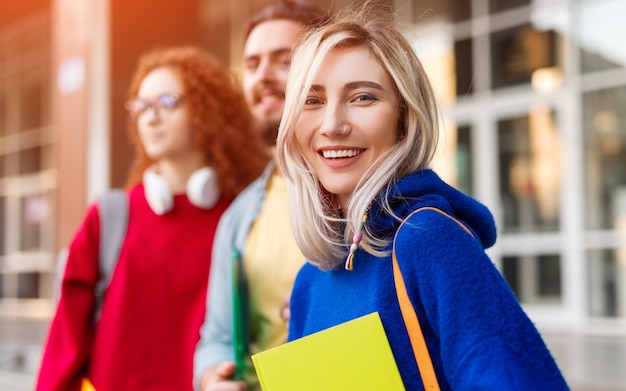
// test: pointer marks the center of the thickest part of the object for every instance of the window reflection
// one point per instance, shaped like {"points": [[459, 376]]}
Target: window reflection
{"points": [[518, 52], [607, 282], [28, 285], [529, 172], [439, 40], [605, 157], [534, 278], [35, 212], [463, 160], [463, 66]]}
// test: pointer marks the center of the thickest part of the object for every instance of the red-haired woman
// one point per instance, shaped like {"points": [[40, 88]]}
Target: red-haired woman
{"points": [[195, 152]]}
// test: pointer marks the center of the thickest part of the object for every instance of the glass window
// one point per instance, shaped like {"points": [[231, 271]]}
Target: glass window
{"points": [[503, 5], [35, 212], [534, 279], [464, 67], [607, 282], [598, 23], [516, 53], [30, 160], [529, 172], [604, 116], [549, 276], [464, 160], [28, 285]]}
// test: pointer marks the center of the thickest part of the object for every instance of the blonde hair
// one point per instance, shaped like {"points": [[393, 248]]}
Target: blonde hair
{"points": [[322, 234]]}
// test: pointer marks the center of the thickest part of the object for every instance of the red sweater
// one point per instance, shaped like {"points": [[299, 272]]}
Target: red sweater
{"points": [[153, 308]]}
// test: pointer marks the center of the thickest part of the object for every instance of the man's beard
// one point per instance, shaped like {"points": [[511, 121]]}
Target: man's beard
{"points": [[268, 132]]}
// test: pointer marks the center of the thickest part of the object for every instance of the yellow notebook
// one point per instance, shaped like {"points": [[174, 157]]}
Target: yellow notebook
{"points": [[351, 356]]}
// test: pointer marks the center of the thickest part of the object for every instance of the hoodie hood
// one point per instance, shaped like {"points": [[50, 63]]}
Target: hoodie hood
{"points": [[425, 188]]}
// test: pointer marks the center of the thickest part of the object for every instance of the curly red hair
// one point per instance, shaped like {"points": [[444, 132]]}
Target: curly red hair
{"points": [[221, 121]]}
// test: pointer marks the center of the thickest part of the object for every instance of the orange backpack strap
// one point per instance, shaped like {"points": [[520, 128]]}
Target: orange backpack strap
{"points": [[418, 343]]}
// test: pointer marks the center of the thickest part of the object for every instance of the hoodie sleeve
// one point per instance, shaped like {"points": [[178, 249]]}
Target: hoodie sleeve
{"points": [[70, 336], [468, 312]]}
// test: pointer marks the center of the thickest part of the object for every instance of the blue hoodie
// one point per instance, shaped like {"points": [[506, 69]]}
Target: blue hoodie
{"points": [[478, 336]]}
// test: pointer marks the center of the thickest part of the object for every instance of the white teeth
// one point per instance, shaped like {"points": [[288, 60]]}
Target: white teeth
{"points": [[340, 154]]}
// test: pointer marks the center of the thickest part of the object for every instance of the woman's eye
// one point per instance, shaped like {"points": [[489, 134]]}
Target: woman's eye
{"points": [[365, 98], [311, 101]]}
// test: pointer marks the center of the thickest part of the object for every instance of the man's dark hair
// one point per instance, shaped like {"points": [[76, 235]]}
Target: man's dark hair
{"points": [[306, 14]]}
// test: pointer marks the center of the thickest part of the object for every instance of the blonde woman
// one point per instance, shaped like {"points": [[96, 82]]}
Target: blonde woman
{"points": [[358, 133]]}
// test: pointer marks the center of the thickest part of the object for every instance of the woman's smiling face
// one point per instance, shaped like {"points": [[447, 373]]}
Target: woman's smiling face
{"points": [[349, 119]]}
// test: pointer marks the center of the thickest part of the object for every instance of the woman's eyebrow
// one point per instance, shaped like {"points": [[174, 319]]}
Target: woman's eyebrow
{"points": [[351, 86], [317, 88], [363, 83]]}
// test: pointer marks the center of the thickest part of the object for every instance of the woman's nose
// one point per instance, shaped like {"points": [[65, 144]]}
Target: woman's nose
{"points": [[335, 121]]}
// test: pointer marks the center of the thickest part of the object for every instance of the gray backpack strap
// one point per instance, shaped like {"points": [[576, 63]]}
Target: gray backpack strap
{"points": [[113, 213], [59, 272]]}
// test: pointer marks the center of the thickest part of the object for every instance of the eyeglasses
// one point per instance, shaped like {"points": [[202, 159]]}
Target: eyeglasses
{"points": [[166, 102]]}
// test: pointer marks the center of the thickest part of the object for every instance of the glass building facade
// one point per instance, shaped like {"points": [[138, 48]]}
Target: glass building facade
{"points": [[27, 172], [533, 96], [533, 99]]}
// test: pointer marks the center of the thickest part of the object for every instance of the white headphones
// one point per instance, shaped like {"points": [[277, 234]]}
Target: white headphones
{"points": [[202, 190]]}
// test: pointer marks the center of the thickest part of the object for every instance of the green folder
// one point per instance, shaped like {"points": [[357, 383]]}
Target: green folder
{"points": [[351, 356], [240, 315]]}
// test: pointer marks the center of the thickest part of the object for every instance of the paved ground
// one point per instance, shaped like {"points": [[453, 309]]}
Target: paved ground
{"points": [[589, 363], [20, 351]]}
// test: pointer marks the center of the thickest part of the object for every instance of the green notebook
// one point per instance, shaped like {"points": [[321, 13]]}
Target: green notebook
{"points": [[351, 356]]}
